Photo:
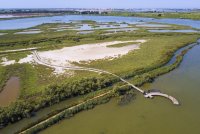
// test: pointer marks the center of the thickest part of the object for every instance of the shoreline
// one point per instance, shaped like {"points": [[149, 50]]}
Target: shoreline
{"points": [[178, 61], [24, 17], [119, 14], [128, 75]]}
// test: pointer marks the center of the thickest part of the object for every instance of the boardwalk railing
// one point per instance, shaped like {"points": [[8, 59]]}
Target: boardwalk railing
{"points": [[38, 59]]}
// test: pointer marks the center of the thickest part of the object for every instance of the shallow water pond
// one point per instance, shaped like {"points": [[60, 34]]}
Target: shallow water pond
{"points": [[31, 22], [10, 91], [153, 25], [173, 31]]}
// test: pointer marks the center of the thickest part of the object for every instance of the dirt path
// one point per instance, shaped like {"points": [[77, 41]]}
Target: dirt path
{"points": [[19, 50], [40, 61], [96, 97]]}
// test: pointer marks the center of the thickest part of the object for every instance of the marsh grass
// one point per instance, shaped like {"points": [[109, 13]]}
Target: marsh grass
{"points": [[124, 44], [34, 79], [184, 15], [155, 52]]}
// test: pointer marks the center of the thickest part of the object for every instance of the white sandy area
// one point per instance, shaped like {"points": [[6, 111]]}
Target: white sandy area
{"points": [[89, 52], [6, 62], [28, 32], [65, 27], [28, 59], [85, 53], [3, 34]]}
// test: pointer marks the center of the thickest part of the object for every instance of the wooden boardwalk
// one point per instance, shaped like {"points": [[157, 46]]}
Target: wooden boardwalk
{"points": [[39, 60], [152, 94]]}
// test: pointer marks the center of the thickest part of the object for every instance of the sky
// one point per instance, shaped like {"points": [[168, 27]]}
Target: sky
{"points": [[99, 3]]}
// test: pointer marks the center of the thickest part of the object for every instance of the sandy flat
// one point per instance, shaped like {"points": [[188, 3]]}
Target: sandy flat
{"points": [[7, 62], [86, 53], [28, 32], [90, 52], [3, 34]]}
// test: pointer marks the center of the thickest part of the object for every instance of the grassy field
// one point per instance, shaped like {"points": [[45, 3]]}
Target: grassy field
{"points": [[123, 44], [53, 38], [119, 91], [36, 78]]}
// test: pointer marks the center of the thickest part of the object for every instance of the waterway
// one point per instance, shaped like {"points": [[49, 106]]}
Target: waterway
{"points": [[41, 114], [31, 22], [156, 116]]}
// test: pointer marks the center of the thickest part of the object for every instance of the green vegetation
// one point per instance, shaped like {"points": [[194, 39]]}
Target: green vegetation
{"points": [[51, 95], [3, 72], [139, 80], [125, 93], [28, 78], [40, 88], [68, 113], [125, 97], [185, 15], [35, 14], [124, 44], [154, 53], [51, 38]]}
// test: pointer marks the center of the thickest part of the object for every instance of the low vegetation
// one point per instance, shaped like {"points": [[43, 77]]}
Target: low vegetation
{"points": [[124, 44], [51, 95], [184, 15], [40, 87], [125, 93]]}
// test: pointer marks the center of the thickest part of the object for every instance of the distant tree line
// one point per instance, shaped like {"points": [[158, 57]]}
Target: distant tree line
{"points": [[45, 11]]}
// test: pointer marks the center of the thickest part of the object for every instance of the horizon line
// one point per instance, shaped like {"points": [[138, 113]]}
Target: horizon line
{"points": [[95, 8]]}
